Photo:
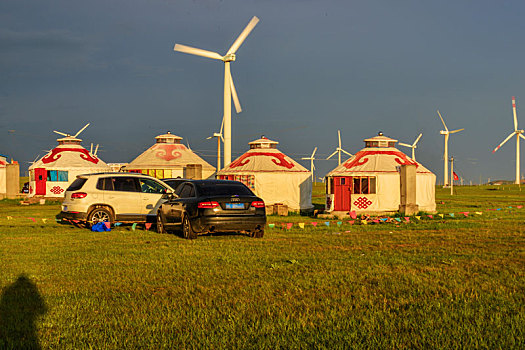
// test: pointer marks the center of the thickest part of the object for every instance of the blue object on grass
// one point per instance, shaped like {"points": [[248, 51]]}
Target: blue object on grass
{"points": [[100, 227]]}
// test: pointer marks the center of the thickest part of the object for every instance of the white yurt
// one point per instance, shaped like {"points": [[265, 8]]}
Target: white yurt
{"points": [[51, 175], [168, 158], [369, 182], [272, 175]]}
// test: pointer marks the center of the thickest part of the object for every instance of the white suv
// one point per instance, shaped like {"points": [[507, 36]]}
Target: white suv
{"points": [[122, 197]]}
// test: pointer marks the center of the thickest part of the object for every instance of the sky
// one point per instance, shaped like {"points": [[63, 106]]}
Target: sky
{"points": [[308, 69]]}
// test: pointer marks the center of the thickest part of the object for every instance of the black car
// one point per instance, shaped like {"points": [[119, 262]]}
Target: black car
{"points": [[174, 182], [207, 206]]}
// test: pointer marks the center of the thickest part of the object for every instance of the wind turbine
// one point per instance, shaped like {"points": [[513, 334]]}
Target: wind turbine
{"points": [[339, 149], [311, 159], [413, 146], [518, 133], [229, 87], [69, 135], [219, 137], [446, 133]]}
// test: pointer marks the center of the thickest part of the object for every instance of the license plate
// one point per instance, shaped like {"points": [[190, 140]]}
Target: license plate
{"points": [[234, 206]]}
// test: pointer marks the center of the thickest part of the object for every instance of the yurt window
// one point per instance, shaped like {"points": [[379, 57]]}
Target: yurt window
{"points": [[248, 180], [372, 144], [364, 185], [57, 175], [391, 144]]}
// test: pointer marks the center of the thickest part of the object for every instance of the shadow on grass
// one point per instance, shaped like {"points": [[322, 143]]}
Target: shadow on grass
{"points": [[20, 306]]}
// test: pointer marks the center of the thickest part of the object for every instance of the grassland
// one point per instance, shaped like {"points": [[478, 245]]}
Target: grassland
{"points": [[435, 283]]}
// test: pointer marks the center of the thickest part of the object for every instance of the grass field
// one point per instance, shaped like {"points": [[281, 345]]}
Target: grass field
{"points": [[435, 283]]}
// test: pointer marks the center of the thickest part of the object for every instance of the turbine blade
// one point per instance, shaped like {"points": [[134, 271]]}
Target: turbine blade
{"points": [[96, 149], [523, 137], [240, 39], [313, 153], [404, 144], [455, 131], [415, 142], [207, 138], [84, 128], [222, 125], [350, 154], [199, 52], [501, 144], [331, 155], [313, 166], [60, 133], [442, 121], [235, 98], [514, 113], [339, 135]]}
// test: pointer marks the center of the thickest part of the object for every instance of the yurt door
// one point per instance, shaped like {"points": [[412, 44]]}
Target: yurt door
{"points": [[40, 181], [342, 192]]}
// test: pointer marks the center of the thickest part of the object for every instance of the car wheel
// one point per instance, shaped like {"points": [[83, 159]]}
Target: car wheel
{"points": [[257, 233], [99, 215], [187, 231], [161, 223]]}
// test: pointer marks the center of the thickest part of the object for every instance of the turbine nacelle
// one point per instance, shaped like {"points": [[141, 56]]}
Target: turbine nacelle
{"points": [[229, 58]]}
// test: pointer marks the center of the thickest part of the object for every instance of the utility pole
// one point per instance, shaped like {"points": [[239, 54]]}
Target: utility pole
{"points": [[451, 176]]}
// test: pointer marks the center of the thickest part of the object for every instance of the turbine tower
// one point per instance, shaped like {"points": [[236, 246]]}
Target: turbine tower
{"points": [[311, 159], [219, 137], [229, 87], [413, 146], [339, 149], [518, 133], [446, 133]]}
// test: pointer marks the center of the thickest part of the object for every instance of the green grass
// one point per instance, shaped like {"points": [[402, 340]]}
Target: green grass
{"points": [[442, 283]]}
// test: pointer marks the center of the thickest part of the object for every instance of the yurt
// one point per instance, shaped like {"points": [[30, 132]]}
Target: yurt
{"points": [[51, 175], [168, 158], [369, 182], [272, 175]]}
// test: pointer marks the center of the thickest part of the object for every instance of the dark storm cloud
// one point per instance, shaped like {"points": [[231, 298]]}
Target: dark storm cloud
{"points": [[45, 52]]}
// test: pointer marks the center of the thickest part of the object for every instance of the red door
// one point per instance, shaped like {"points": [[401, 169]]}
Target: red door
{"points": [[342, 192], [40, 181]]}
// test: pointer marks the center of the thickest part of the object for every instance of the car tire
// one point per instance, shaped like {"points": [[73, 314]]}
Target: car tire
{"points": [[257, 233], [161, 223], [100, 214], [187, 230]]}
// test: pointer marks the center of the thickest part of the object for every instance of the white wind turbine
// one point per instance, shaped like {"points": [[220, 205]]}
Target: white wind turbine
{"points": [[69, 135], [229, 87], [91, 150], [311, 159], [339, 149], [413, 146], [518, 133], [446, 133], [219, 137]]}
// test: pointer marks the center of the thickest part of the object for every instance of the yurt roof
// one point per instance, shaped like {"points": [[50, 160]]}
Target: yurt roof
{"points": [[167, 153], [262, 142], [263, 159], [70, 155], [168, 138], [376, 160]]}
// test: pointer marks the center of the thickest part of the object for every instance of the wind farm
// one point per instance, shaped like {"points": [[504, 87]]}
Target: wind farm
{"points": [[269, 231]]}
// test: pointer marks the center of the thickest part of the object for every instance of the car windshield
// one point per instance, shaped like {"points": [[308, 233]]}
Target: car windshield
{"points": [[223, 189]]}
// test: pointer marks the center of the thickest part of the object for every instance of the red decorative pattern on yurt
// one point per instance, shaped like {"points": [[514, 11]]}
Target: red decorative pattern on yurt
{"points": [[280, 161], [362, 202], [360, 158], [55, 155], [168, 151]]}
